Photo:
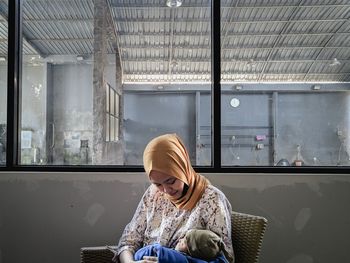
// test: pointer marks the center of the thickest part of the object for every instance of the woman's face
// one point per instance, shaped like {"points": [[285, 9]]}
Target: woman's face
{"points": [[168, 184]]}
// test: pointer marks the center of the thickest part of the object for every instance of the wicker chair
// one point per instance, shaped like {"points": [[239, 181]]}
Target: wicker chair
{"points": [[247, 235]]}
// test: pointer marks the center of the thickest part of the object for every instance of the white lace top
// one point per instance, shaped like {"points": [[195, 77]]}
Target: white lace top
{"points": [[157, 220]]}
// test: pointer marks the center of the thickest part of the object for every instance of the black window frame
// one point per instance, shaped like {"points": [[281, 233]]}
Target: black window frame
{"points": [[14, 112]]}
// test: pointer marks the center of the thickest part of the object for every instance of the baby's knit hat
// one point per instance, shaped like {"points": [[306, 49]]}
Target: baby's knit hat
{"points": [[205, 244]]}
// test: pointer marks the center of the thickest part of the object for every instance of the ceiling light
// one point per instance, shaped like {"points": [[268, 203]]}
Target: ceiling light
{"points": [[238, 87], [2, 59], [174, 3], [335, 62], [316, 87], [80, 58]]}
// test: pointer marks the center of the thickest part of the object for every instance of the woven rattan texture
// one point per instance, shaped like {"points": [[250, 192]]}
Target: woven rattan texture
{"points": [[247, 235], [96, 255]]}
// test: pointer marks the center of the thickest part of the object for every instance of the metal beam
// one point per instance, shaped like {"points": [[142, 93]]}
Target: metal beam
{"points": [[199, 21], [225, 60], [118, 5], [232, 47], [206, 34]]}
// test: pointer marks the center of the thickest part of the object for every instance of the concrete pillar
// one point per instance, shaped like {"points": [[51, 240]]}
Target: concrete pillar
{"points": [[104, 33]]}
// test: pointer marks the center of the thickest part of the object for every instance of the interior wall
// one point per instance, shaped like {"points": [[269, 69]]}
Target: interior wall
{"points": [[33, 119], [47, 217], [3, 93], [3, 112], [72, 109], [318, 123], [148, 115], [72, 106]]}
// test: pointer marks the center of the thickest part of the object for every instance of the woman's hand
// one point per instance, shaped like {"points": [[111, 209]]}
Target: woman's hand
{"points": [[148, 259], [127, 257]]}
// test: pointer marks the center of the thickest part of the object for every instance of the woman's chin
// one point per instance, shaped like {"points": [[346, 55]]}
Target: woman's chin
{"points": [[174, 195]]}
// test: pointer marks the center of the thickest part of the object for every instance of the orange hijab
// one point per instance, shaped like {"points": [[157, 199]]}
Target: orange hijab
{"points": [[167, 154]]}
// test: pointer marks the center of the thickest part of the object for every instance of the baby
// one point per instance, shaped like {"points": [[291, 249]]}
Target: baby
{"points": [[197, 246]]}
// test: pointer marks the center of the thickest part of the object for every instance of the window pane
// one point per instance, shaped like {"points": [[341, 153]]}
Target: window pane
{"points": [[167, 72], [117, 104], [107, 128], [3, 81], [112, 100], [116, 120], [157, 57], [285, 92], [67, 61], [107, 98], [112, 130]]}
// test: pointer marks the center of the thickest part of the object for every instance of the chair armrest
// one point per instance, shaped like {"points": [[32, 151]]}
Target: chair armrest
{"points": [[101, 254]]}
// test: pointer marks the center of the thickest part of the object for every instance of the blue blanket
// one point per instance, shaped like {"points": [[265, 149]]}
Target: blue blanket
{"points": [[168, 255]]}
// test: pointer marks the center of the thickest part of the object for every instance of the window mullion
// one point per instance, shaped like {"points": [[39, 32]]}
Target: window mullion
{"points": [[14, 83], [216, 90]]}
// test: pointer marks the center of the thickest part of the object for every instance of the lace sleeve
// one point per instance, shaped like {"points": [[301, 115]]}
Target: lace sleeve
{"points": [[219, 218], [133, 235]]}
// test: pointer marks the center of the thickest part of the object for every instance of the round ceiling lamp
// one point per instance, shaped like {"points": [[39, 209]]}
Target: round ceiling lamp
{"points": [[174, 3]]}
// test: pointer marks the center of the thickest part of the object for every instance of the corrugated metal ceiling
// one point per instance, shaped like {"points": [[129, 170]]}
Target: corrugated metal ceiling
{"points": [[262, 40]]}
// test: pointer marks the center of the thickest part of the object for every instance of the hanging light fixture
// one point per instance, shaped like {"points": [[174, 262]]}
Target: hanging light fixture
{"points": [[174, 3]]}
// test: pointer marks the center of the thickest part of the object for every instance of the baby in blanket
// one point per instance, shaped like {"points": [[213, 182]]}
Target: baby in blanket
{"points": [[197, 246]]}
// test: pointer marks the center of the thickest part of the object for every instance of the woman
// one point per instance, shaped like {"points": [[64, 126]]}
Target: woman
{"points": [[179, 199]]}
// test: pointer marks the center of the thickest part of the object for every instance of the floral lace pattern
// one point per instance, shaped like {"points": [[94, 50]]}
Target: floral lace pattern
{"points": [[157, 220]]}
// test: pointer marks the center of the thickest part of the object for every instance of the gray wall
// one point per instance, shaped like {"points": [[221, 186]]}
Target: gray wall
{"points": [[34, 88], [150, 114], [47, 217], [72, 106], [313, 121], [3, 111], [3, 93], [72, 109], [316, 121]]}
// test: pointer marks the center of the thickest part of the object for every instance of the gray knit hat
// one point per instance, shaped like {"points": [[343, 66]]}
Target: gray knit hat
{"points": [[206, 245]]}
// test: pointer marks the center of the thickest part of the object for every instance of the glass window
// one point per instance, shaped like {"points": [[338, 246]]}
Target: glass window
{"points": [[101, 78], [166, 58], [67, 60], [3, 79], [154, 58], [112, 130], [285, 85]]}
